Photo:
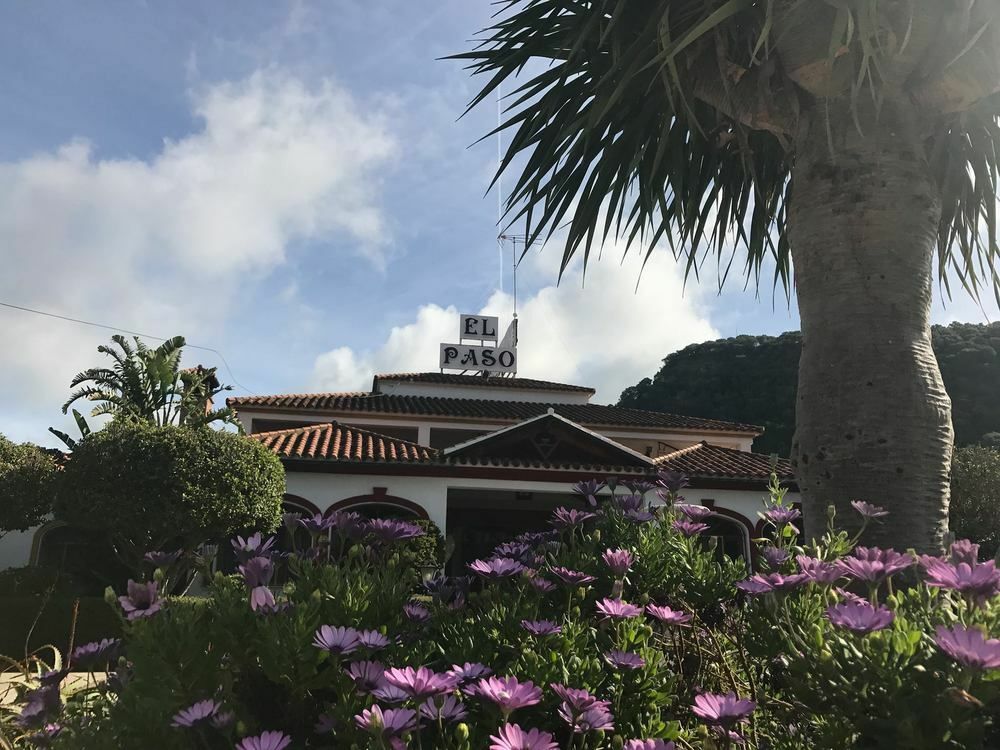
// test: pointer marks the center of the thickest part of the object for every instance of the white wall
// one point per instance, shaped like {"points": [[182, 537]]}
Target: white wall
{"points": [[491, 392], [15, 548]]}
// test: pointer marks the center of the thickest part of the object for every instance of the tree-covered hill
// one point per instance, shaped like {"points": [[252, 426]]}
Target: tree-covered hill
{"points": [[753, 379]]}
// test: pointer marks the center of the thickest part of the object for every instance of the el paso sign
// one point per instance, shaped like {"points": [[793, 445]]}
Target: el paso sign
{"points": [[501, 356]]}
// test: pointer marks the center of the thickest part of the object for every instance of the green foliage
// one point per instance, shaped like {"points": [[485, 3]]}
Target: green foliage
{"points": [[147, 385], [26, 474], [148, 486], [975, 497], [753, 379], [426, 551], [816, 685], [32, 580]]}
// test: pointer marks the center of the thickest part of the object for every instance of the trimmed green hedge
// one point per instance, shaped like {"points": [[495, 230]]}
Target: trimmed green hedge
{"points": [[95, 620]]}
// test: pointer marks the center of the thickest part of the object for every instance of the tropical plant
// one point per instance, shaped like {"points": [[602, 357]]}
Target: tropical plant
{"points": [[143, 487], [148, 385], [26, 474], [855, 138]]}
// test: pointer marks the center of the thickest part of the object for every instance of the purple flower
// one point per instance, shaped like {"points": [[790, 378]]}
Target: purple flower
{"points": [[416, 612], [96, 654], [874, 565], [723, 710], [448, 709], [672, 481], [507, 693], [848, 596], [780, 515], [196, 713], [257, 571], [317, 524], [44, 736], [265, 741], [522, 552], [649, 745], [469, 671], [668, 616], [979, 581], [969, 647], [639, 516], [541, 627], [867, 510], [628, 503], [223, 719], [421, 682], [512, 737], [389, 530], [141, 600], [859, 617], [588, 490], [568, 518], [498, 567], [592, 718], [575, 698], [40, 705], [624, 660], [541, 585], [291, 521], [774, 556], [689, 528], [347, 523], [695, 513], [571, 577], [373, 640], [390, 693], [620, 561], [616, 609], [336, 641], [818, 571], [162, 559], [253, 546], [387, 723], [771, 582], [366, 675], [963, 551], [262, 600]]}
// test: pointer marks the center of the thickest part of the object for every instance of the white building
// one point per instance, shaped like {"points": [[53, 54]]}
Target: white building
{"points": [[486, 457], [483, 456]]}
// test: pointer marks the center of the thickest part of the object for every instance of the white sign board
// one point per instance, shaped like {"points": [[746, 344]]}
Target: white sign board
{"points": [[483, 327], [480, 358]]}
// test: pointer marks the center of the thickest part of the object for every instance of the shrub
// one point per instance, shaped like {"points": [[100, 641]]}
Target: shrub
{"points": [[35, 580], [426, 551], [26, 474], [975, 497], [150, 487], [622, 624]]}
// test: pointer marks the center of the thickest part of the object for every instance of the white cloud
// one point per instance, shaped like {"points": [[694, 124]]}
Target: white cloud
{"points": [[168, 243], [608, 335]]}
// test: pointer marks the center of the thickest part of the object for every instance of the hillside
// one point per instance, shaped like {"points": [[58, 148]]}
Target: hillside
{"points": [[753, 379]]}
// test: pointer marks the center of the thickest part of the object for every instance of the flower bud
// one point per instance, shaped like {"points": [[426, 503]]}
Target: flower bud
{"points": [[462, 732], [596, 535], [617, 743], [158, 576], [109, 596], [316, 595], [218, 578], [831, 512]]}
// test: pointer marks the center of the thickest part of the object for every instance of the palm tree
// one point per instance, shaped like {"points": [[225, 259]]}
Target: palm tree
{"points": [[852, 143], [148, 385]]}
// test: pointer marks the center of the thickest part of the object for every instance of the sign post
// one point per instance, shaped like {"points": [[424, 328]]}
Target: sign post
{"points": [[500, 356]]}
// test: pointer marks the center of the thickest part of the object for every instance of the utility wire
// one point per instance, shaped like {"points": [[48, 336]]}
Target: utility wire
{"points": [[131, 333]]}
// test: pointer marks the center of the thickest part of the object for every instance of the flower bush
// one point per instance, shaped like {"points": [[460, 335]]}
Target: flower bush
{"points": [[622, 628]]}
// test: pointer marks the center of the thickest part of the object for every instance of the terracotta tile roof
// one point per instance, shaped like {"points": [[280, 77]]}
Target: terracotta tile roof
{"points": [[445, 378], [495, 410], [340, 442], [705, 460]]}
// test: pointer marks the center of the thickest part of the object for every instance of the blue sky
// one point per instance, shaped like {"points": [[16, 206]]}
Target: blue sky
{"points": [[288, 183]]}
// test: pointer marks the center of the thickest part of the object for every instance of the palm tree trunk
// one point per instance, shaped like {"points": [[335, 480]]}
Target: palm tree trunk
{"points": [[873, 420]]}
